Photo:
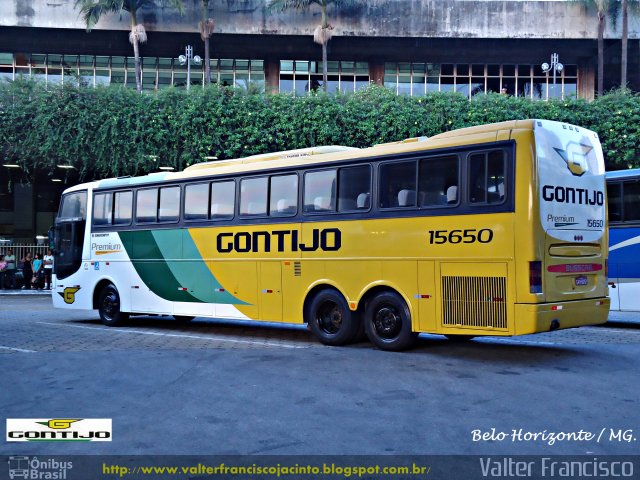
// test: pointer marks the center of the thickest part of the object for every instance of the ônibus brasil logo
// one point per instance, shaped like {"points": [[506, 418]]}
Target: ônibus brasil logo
{"points": [[59, 430]]}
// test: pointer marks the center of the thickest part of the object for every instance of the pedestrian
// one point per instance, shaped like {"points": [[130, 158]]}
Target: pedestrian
{"points": [[3, 268], [27, 270], [48, 268], [10, 270], [38, 272]]}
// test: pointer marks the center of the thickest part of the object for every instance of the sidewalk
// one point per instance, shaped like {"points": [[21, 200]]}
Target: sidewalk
{"points": [[24, 292]]}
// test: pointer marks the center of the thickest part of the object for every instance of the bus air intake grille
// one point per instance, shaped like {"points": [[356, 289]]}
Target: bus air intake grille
{"points": [[478, 302], [297, 269]]}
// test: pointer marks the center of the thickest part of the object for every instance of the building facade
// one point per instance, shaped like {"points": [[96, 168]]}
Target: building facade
{"points": [[411, 46]]}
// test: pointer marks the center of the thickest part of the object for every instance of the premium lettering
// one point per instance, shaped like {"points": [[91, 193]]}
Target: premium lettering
{"points": [[327, 240]]}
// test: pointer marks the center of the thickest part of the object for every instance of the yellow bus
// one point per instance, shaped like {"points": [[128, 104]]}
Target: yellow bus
{"points": [[490, 230]]}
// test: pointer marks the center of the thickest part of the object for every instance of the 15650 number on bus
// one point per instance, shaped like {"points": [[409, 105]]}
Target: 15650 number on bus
{"points": [[469, 235]]}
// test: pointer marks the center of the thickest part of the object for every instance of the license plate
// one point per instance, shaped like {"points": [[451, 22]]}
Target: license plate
{"points": [[581, 281]]}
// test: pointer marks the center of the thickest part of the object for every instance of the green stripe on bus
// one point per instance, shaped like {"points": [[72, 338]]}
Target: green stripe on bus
{"points": [[194, 275], [152, 267], [158, 257]]}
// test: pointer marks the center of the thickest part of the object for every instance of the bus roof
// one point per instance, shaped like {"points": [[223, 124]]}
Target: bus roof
{"points": [[315, 155], [617, 174]]}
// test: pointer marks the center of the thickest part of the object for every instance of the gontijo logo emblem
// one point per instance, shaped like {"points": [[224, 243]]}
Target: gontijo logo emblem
{"points": [[69, 294], [575, 156], [59, 430]]}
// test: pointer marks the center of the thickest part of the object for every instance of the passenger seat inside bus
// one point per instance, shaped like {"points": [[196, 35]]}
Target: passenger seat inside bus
{"points": [[363, 200], [452, 194], [406, 198], [322, 204]]}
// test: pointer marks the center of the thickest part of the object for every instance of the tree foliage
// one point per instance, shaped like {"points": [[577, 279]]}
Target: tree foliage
{"points": [[113, 131]]}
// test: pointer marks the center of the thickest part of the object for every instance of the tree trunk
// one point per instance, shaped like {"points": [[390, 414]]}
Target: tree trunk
{"points": [[207, 55], [625, 38], [136, 52], [207, 62], [324, 67], [601, 25], [325, 24]]}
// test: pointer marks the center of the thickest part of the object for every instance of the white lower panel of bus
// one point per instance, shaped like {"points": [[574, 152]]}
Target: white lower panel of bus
{"points": [[626, 295]]}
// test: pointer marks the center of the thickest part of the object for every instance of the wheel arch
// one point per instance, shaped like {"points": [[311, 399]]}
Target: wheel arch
{"points": [[313, 290], [102, 283]]}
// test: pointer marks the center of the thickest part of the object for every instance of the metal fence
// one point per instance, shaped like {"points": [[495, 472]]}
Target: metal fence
{"points": [[20, 250]]}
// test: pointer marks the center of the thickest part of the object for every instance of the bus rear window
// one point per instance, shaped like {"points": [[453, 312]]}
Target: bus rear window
{"points": [[73, 207]]}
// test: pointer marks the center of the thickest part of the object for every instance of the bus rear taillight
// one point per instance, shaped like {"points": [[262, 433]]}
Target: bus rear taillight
{"points": [[535, 277]]}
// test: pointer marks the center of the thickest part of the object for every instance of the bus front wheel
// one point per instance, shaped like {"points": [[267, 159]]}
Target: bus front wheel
{"points": [[330, 319], [387, 322], [109, 307]]}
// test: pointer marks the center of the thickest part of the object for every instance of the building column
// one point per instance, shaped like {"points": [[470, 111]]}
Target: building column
{"points": [[586, 80], [376, 72], [23, 212], [272, 75]]}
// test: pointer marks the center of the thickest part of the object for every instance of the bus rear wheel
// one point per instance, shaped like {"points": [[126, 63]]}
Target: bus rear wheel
{"points": [[330, 319], [109, 307], [387, 322]]}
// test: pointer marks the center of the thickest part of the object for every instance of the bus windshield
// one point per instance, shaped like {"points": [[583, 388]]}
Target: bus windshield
{"points": [[73, 207]]}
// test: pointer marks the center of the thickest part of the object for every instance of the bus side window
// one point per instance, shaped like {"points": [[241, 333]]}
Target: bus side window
{"points": [[477, 178], [398, 184], [438, 180], [102, 208], [223, 196], [320, 191], [486, 177], [354, 184], [147, 205], [123, 208], [283, 201], [631, 192], [614, 197], [196, 201], [253, 196], [169, 210]]}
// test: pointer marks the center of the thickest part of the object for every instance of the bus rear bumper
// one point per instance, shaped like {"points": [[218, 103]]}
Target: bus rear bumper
{"points": [[545, 317]]}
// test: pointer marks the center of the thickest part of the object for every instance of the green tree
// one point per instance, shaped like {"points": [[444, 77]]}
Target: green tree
{"points": [[323, 32], [93, 10], [206, 26]]}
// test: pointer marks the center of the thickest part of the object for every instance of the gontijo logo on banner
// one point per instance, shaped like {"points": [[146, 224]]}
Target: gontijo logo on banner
{"points": [[59, 430]]}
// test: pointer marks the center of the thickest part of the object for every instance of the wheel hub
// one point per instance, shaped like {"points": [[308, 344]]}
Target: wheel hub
{"points": [[387, 322]]}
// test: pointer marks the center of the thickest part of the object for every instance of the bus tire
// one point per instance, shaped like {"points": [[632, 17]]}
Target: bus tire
{"points": [[183, 318], [109, 307], [387, 322], [330, 319], [459, 338]]}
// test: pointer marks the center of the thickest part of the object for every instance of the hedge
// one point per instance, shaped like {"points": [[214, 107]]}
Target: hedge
{"points": [[113, 131]]}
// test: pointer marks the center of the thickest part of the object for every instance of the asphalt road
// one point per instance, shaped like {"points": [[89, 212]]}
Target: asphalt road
{"points": [[221, 388]]}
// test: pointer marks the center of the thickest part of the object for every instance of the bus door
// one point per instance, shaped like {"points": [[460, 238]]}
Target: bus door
{"points": [[271, 290], [69, 235], [427, 294], [614, 285]]}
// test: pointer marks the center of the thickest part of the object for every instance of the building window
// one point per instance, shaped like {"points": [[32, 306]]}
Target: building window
{"points": [[417, 79], [303, 76], [157, 72]]}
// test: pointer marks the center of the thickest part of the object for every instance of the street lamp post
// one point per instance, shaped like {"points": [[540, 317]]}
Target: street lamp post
{"points": [[556, 66], [188, 58]]}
